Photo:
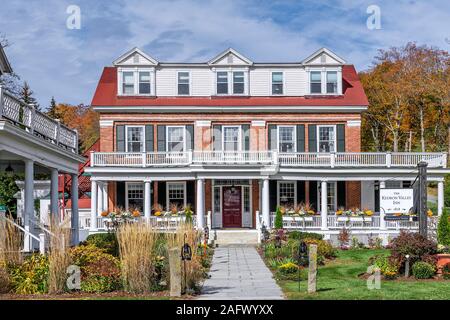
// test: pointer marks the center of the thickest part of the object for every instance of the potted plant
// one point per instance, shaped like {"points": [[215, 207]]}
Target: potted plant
{"points": [[174, 209], [158, 209], [188, 213]]}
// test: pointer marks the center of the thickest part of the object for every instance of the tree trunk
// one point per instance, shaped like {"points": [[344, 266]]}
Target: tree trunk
{"points": [[395, 140], [422, 130]]}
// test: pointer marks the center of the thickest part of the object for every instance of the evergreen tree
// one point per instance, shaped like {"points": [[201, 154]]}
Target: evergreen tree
{"points": [[278, 224], [52, 112], [443, 230], [27, 96]]}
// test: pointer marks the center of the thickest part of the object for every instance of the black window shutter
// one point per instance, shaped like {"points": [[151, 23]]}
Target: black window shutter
{"points": [[313, 194], [272, 137], [190, 193], [340, 128], [300, 192], [120, 138], [120, 194], [161, 138], [189, 137], [273, 195], [300, 138], [162, 194], [245, 137], [217, 137], [149, 138], [341, 194], [312, 138]]}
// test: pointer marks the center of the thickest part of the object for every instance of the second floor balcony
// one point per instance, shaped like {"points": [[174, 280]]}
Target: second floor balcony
{"points": [[267, 158]]}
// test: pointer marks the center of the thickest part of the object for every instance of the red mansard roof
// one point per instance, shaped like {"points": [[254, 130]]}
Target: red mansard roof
{"points": [[106, 95]]}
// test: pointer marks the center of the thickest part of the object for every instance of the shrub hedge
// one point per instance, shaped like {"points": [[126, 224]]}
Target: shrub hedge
{"points": [[423, 270]]}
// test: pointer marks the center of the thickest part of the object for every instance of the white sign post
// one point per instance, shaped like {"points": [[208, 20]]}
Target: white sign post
{"points": [[396, 200]]}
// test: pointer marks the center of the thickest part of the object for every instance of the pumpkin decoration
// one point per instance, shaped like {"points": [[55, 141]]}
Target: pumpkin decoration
{"points": [[104, 214]]}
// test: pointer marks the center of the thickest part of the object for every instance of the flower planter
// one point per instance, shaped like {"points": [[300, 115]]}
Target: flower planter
{"points": [[442, 260], [298, 218], [354, 219]]}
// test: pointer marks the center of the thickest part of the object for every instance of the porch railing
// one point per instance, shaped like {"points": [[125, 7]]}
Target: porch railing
{"points": [[360, 223], [37, 123], [298, 159]]}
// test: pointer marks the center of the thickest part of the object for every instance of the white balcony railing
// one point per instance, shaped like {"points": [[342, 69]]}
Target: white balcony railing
{"points": [[37, 123], [299, 159]]}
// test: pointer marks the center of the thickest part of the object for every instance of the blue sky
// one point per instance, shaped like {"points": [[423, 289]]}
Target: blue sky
{"points": [[67, 63]]}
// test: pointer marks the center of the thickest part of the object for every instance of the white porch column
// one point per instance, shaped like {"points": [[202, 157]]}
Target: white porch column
{"points": [[265, 203], [383, 228], [105, 196], [74, 219], [94, 211], [440, 199], [54, 205], [200, 206], [100, 197], [323, 205], [28, 212], [147, 200]]}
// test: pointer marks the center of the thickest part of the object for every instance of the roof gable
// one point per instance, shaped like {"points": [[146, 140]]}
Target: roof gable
{"points": [[230, 57], [5, 67], [324, 56], [135, 57]]}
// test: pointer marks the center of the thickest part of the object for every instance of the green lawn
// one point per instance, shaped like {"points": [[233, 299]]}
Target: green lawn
{"points": [[339, 279]]}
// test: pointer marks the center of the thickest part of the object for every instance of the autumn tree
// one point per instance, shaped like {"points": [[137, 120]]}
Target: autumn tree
{"points": [[408, 92]]}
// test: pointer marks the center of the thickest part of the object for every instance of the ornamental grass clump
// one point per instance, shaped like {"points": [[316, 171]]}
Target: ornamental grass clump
{"points": [[58, 256], [136, 244], [10, 243]]}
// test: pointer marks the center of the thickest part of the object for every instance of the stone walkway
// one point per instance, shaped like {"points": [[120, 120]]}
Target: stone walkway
{"points": [[238, 272]]}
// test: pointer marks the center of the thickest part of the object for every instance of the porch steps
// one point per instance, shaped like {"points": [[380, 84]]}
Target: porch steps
{"points": [[236, 236]]}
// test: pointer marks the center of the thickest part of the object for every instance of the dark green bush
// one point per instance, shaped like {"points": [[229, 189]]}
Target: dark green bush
{"points": [[106, 241], [443, 230], [446, 271], [278, 224], [423, 270], [298, 235]]}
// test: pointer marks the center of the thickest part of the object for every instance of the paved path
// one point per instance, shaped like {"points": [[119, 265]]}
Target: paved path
{"points": [[238, 272]]}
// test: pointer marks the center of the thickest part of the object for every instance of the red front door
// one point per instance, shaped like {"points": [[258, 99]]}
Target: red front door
{"points": [[232, 207]]}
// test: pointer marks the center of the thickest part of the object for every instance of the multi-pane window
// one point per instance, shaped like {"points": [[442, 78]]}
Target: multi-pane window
{"points": [[231, 138], [183, 83], [238, 82], [277, 82], [175, 139], [287, 193], [128, 82], [286, 139], [144, 82], [135, 139], [222, 82], [316, 82], [327, 139], [332, 82], [176, 194], [135, 196]]}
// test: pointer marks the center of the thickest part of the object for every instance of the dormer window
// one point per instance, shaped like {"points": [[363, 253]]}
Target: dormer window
{"points": [[332, 82], [128, 83], [183, 83], [238, 82], [222, 82], [277, 83], [316, 82], [144, 82]]}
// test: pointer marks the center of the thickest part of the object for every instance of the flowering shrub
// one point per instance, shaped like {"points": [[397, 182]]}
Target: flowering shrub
{"points": [[31, 276], [100, 271], [387, 265], [423, 270], [290, 271]]}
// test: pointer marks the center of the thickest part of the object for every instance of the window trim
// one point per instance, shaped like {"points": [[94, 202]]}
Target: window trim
{"points": [[189, 84], [138, 73], [323, 79], [143, 136], [239, 137], [167, 137], [217, 83], [168, 183], [127, 205], [295, 190], [283, 83], [326, 82], [310, 82], [230, 81], [318, 137], [122, 82], [294, 136]]}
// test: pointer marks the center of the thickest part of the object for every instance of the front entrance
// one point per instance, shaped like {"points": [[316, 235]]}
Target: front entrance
{"points": [[232, 207]]}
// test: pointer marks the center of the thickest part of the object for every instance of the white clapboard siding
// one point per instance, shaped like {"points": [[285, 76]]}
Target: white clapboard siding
{"points": [[295, 81]]}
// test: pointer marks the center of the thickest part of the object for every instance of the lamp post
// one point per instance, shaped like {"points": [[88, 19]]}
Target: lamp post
{"points": [[186, 255]]}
